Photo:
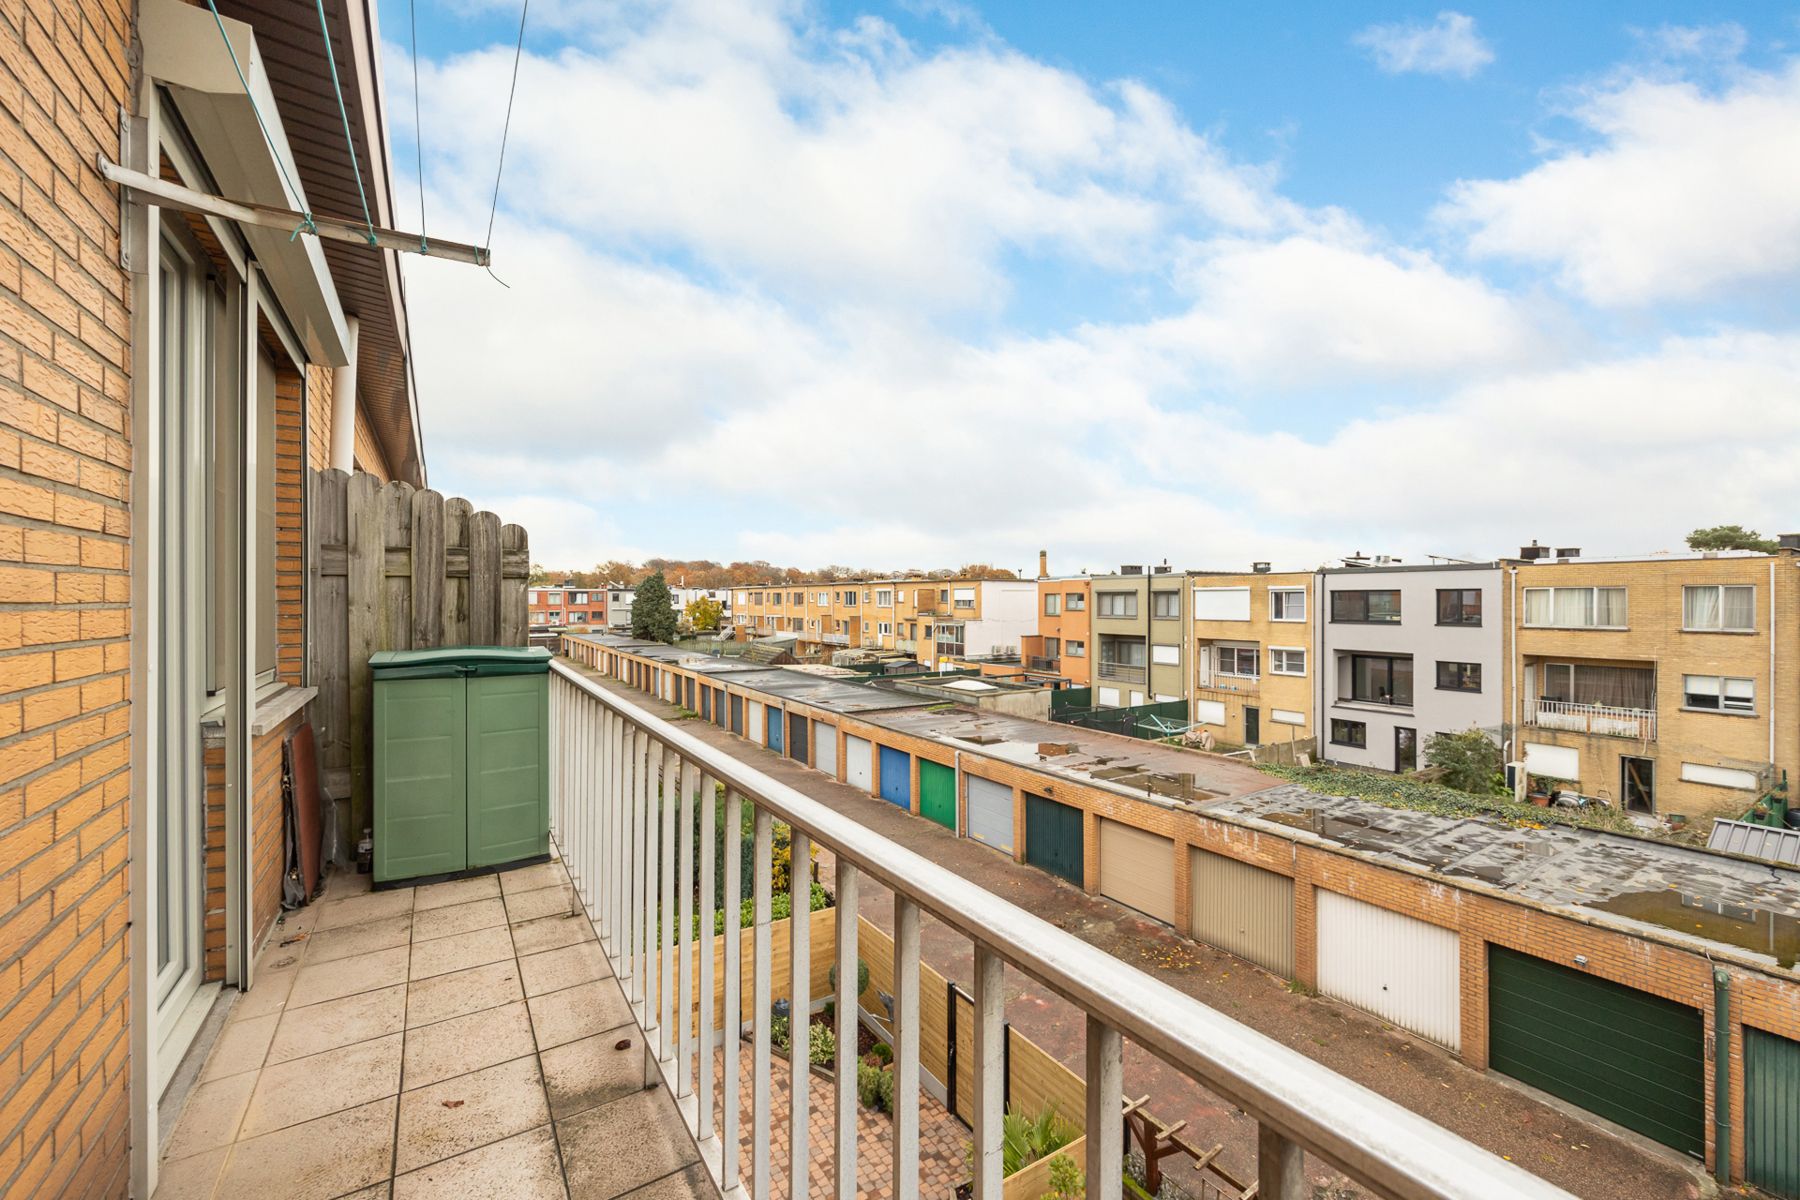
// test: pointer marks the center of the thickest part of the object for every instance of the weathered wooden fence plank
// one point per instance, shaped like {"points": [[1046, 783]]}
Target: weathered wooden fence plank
{"points": [[368, 556], [457, 513], [328, 645], [484, 579], [515, 629], [396, 590], [427, 573]]}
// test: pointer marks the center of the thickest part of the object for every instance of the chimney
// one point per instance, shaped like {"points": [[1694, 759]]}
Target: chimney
{"points": [[1260, 568], [1131, 569], [1568, 552], [1534, 551], [1787, 543], [1043, 564]]}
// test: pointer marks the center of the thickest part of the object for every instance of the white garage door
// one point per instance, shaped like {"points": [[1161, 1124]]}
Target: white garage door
{"points": [[824, 747], [1397, 967], [1138, 870], [857, 771], [756, 722], [990, 813]]}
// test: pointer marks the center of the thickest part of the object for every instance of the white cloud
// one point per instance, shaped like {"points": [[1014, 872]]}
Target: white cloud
{"points": [[1686, 191], [1447, 46]]}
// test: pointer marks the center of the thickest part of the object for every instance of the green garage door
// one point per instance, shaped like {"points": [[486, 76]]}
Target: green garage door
{"points": [[937, 793], [1622, 1054], [1772, 1113], [1053, 838]]}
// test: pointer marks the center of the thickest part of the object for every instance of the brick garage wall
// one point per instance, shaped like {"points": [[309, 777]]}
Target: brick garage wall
{"points": [[1760, 999], [64, 657]]}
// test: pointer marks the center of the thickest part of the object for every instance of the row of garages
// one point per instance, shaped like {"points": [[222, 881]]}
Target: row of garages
{"points": [[1508, 985]]}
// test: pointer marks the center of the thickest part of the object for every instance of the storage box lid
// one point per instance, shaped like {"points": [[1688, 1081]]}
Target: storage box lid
{"points": [[446, 661]]}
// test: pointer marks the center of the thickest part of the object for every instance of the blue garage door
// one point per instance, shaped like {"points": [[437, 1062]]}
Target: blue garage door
{"points": [[774, 729], [896, 777]]}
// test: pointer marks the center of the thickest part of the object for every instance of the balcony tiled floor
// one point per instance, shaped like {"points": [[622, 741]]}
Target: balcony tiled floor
{"points": [[454, 1040]]}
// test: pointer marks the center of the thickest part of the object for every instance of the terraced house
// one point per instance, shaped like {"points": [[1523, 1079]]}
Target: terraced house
{"points": [[1668, 685], [170, 370], [1140, 643], [1254, 654]]}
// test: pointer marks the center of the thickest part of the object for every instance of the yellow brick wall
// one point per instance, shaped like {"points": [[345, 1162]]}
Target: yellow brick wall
{"points": [[1270, 691], [64, 654], [1655, 637]]}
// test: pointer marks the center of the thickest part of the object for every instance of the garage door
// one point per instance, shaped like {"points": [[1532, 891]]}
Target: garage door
{"points": [[1399, 968], [1053, 840], [737, 713], [1772, 1113], [756, 722], [937, 793], [797, 728], [990, 813], [775, 718], [1622, 1054], [896, 777], [1138, 870], [825, 748], [1242, 909], [857, 768]]}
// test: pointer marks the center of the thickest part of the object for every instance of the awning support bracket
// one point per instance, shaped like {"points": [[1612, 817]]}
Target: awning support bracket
{"points": [[174, 195]]}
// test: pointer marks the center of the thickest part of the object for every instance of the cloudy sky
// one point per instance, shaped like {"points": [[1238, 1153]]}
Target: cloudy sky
{"points": [[927, 282]]}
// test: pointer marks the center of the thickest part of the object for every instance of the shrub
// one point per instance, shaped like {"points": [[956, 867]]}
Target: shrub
{"points": [[1025, 1139], [821, 1046], [883, 1051], [875, 1087], [1067, 1181], [1470, 761], [862, 976]]}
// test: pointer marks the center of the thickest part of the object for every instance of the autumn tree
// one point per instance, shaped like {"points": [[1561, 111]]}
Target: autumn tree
{"points": [[704, 613]]}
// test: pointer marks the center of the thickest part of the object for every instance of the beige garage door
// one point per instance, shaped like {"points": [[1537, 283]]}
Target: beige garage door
{"points": [[1243, 910], [1138, 870]]}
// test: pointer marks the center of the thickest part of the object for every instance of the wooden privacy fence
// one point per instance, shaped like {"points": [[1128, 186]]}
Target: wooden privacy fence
{"points": [[397, 568]]}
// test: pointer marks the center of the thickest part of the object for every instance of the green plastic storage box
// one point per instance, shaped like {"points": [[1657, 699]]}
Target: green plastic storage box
{"points": [[462, 759]]}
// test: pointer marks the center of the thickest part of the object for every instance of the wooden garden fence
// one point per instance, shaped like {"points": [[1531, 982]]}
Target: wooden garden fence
{"points": [[397, 568]]}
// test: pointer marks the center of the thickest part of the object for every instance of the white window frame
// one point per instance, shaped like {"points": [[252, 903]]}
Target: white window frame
{"points": [[1726, 702], [1254, 652], [1277, 594], [1275, 667], [1075, 649], [884, 629], [1126, 600], [884, 598], [1053, 604], [1719, 588], [1525, 600]]}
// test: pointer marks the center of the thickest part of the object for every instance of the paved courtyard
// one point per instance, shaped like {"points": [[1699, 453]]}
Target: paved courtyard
{"points": [[460, 1040]]}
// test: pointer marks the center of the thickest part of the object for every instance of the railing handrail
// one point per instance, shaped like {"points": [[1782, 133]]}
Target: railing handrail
{"points": [[1365, 1135]]}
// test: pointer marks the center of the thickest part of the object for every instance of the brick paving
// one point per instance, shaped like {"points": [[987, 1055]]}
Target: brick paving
{"points": [[943, 1140]]}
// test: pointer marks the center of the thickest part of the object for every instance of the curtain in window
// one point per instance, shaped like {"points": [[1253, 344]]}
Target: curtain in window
{"points": [[1615, 687], [1740, 694], [1740, 607], [1700, 608], [1574, 607], [1609, 606], [1537, 606]]}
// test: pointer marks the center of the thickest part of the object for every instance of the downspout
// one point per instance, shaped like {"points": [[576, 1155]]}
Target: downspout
{"points": [[1721, 1076], [1772, 688], [343, 406]]}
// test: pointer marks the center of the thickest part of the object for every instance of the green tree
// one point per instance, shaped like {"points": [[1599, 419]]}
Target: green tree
{"points": [[652, 612], [1470, 761], [1730, 537], [704, 613]]}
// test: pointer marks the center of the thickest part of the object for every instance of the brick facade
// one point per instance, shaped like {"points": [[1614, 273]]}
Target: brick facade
{"points": [[64, 656]]}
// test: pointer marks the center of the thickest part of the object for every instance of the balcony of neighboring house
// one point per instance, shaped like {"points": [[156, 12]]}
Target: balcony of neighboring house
{"points": [[1039, 662], [1122, 659], [1591, 698]]}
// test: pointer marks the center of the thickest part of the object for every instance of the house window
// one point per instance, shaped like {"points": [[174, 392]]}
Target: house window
{"points": [[850, 599], [1459, 606], [884, 599], [1052, 647], [581, 597], [1052, 604], [774, 599], [1606, 687], [1287, 604], [1075, 649], [1378, 679], [1369, 608], [1730, 609], [1165, 606], [799, 599], [1074, 602], [1118, 604], [1575, 608], [824, 599], [1458, 676], [556, 614], [1235, 660], [1349, 733], [884, 628], [1122, 652], [1287, 662], [1718, 693]]}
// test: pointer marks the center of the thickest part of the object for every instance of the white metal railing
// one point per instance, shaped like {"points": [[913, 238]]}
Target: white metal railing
{"points": [[1121, 672], [1638, 723], [613, 762]]}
